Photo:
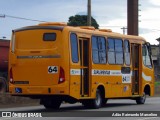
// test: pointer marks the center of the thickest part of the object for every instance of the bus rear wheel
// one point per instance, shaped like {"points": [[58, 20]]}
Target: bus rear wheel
{"points": [[51, 103], [94, 103], [97, 102], [104, 101], [142, 99]]}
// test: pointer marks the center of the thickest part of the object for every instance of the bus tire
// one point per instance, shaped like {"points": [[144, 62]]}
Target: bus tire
{"points": [[94, 103], [142, 99], [104, 101], [97, 102], [51, 104]]}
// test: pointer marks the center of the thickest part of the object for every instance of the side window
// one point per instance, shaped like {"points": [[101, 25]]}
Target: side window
{"points": [[146, 57], [102, 49], [119, 51], [111, 51], [95, 55], [127, 52], [115, 51], [74, 47], [98, 49]]}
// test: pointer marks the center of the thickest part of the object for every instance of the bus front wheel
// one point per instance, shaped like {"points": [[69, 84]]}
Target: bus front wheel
{"points": [[142, 99]]}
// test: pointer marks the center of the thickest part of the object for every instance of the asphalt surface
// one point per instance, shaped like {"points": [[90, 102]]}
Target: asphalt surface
{"points": [[112, 110]]}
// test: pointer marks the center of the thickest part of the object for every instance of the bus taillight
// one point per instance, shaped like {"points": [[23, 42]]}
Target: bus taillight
{"points": [[11, 76], [61, 76]]}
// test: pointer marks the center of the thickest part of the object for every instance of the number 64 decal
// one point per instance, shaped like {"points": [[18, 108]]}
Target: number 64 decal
{"points": [[52, 69]]}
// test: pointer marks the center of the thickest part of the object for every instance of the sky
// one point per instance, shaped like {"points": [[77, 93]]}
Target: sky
{"points": [[109, 14]]}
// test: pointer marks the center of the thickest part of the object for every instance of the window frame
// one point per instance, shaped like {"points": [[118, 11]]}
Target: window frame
{"points": [[113, 51], [72, 48], [114, 39], [150, 59], [98, 50], [129, 48]]}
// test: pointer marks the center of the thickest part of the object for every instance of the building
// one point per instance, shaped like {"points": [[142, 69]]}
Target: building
{"points": [[155, 53]]}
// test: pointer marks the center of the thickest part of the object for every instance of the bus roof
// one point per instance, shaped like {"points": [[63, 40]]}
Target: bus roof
{"points": [[81, 29], [103, 32]]}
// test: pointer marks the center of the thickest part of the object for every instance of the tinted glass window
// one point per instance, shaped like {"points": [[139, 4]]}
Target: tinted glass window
{"points": [[49, 36], [111, 58], [98, 49], [127, 58], [102, 56], [146, 57], [127, 52], [118, 45], [74, 47], [94, 43], [126, 46], [95, 56], [115, 51], [101, 43], [111, 44], [119, 57]]}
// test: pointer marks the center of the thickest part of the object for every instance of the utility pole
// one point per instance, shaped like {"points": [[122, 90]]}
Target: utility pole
{"points": [[124, 29], [132, 17], [89, 13], [2, 16]]}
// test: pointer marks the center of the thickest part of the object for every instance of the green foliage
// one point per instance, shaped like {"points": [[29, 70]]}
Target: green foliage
{"points": [[81, 20], [157, 83]]}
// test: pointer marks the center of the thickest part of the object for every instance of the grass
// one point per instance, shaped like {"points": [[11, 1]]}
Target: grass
{"points": [[157, 83]]}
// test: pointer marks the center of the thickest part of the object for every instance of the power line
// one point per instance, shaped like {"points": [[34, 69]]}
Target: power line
{"points": [[2, 16], [113, 26], [22, 18], [122, 27]]}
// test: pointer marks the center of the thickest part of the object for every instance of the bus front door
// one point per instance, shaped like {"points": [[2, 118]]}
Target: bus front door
{"points": [[135, 68], [84, 66]]}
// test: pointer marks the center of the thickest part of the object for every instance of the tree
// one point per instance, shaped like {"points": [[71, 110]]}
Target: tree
{"points": [[81, 20]]}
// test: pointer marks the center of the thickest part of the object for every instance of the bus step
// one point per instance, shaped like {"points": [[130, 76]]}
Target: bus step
{"points": [[135, 93], [84, 95]]}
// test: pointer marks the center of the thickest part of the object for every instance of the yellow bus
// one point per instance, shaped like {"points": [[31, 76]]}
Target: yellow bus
{"points": [[54, 62]]}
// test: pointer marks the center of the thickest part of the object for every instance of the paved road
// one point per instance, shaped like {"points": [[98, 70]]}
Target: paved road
{"points": [[113, 106]]}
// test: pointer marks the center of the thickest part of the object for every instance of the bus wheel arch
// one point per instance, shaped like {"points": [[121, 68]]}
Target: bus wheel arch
{"points": [[147, 90]]}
